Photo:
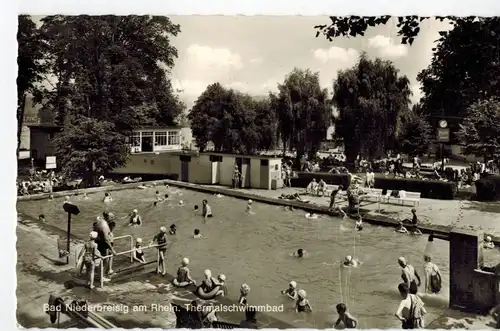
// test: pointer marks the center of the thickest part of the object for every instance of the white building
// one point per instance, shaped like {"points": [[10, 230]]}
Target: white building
{"points": [[154, 139]]}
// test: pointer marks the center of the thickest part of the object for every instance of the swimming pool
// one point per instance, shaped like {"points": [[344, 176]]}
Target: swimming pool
{"points": [[256, 249]]}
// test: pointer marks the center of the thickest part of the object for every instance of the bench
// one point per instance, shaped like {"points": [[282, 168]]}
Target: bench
{"points": [[413, 197]]}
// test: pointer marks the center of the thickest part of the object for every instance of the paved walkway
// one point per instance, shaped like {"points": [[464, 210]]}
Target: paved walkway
{"points": [[39, 274], [464, 214]]}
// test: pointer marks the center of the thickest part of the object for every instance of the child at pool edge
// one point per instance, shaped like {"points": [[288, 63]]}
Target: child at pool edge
{"points": [[488, 243], [345, 317], [291, 291], [138, 253], [197, 234], [244, 291]]}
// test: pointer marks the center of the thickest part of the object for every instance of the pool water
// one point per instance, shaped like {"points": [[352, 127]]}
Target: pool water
{"points": [[256, 249]]}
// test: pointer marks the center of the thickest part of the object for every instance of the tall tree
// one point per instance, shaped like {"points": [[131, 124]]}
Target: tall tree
{"points": [[226, 118], [111, 68], [87, 148], [480, 130], [416, 135], [30, 67], [465, 68], [266, 124], [303, 111], [373, 104]]}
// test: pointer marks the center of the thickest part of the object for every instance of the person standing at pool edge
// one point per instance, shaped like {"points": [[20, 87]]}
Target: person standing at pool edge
{"points": [[409, 276], [161, 241], [103, 240]]}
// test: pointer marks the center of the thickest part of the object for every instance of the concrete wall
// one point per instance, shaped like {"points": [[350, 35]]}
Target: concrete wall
{"points": [[163, 163], [485, 291], [226, 170], [200, 169], [255, 173]]}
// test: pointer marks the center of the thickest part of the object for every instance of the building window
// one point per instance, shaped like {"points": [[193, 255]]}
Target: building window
{"points": [[174, 138], [135, 139], [147, 134], [161, 138]]}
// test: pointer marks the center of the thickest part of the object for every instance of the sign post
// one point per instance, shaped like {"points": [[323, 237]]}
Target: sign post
{"points": [[443, 136], [71, 209]]}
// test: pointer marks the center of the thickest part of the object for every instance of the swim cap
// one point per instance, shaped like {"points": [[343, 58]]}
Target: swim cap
{"points": [[245, 287], [413, 210], [293, 284], [222, 277], [93, 235], [181, 202], [402, 260], [302, 294], [208, 273], [163, 229], [250, 201], [488, 238], [111, 216], [348, 258], [135, 211], [185, 261], [138, 240], [66, 198]]}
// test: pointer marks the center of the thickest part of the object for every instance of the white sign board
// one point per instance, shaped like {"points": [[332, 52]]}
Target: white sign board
{"points": [[50, 162]]}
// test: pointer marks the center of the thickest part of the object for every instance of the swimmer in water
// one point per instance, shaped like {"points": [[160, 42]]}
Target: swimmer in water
{"points": [[359, 224], [51, 197], [248, 209], [107, 197], [348, 321], [302, 305], [350, 262], [135, 219], [488, 243], [181, 203], [173, 230], [66, 200], [339, 211], [138, 252], [196, 207], [85, 196], [155, 203], [41, 218], [311, 215], [401, 228], [244, 291], [197, 234], [300, 253], [291, 291], [158, 196], [207, 210]]}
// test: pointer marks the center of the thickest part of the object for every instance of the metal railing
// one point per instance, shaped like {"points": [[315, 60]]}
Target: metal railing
{"points": [[131, 251], [114, 239]]}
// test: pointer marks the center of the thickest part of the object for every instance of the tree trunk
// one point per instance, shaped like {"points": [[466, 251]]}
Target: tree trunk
{"points": [[20, 122]]}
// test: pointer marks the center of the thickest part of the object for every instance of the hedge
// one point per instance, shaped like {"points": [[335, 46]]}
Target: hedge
{"points": [[488, 188], [428, 188]]}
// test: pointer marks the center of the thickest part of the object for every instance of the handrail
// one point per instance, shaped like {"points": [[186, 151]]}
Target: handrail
{"points": [[121, 253], [131, 244]]}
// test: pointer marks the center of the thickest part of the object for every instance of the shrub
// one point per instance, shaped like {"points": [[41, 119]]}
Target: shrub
{"points": [[488, 188], [428, 188]]}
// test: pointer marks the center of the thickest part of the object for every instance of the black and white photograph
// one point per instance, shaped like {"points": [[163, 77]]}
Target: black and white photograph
{"points": [[254, 172]]}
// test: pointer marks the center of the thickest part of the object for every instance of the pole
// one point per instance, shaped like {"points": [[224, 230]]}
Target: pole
{"points": [[442, 157], [68, 235]]}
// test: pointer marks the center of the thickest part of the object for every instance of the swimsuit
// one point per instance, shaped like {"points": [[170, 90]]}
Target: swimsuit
{"points": [[162, 242], [182, 275], [139, 254]]}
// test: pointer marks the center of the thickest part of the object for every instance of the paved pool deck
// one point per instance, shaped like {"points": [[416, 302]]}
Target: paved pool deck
{"points": [[473, 215]]}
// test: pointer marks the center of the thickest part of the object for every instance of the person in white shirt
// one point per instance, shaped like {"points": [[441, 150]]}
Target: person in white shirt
{"points": [[433, 278]]}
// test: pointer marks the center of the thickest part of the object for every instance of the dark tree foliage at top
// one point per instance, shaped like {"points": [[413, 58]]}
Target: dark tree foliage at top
{"points": [[30, 67], [111, 68]]}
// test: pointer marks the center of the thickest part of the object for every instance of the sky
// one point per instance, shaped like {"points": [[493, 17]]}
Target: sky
{"points": [[254, 53]]}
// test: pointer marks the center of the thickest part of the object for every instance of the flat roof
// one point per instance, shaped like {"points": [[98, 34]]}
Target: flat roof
{"points": [[159, 128], [243, 156]]}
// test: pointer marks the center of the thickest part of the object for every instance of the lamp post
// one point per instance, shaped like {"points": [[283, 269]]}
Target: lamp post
{"points": [[71, 209], [443, 136]]}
